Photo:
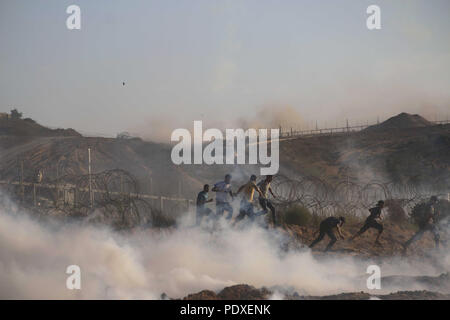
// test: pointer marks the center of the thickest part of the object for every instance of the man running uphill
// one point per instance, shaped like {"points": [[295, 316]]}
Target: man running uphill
{"points": [[248, 190], [327, 227], [264, 202], [372, 222], [427, 223]]}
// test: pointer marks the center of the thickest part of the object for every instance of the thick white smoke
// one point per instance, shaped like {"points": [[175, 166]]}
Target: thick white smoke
{"points": [[144, 264]]}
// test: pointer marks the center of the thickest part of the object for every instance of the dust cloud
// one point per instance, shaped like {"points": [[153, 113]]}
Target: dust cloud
{"points": [[160, 127]]}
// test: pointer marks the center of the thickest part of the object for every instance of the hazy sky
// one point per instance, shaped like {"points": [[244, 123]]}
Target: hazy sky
{"points": [[221, 60]]}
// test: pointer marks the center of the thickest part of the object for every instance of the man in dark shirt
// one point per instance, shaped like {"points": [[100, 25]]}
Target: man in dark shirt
{"points": [[428, 224], [372, 222], [327, 227], [202, 199]]}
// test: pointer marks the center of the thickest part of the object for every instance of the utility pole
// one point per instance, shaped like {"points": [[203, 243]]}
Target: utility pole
{"points": [[161, 203], [34, 195], [91, 198], [22, 189]]}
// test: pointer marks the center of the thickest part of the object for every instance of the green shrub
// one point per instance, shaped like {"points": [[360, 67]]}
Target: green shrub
{"points": [[298, 215]]}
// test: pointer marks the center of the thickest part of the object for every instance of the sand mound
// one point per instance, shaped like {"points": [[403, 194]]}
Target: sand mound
{"points": [[401, 121]]}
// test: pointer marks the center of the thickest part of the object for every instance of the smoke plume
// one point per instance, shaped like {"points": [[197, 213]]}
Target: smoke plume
{"points": [[146, 263]]}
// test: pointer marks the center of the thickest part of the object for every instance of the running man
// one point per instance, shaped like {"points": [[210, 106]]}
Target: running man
{"points": [[429, 223], [327, 227], [372, 221], [223, 190], [264, 202], [202, 199], [248, 190]]}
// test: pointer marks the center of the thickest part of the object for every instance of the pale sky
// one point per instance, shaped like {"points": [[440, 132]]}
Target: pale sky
{"points": [[221, 60]]}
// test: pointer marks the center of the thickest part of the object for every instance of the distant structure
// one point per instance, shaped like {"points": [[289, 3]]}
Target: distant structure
{"points": [[13, 115], [126, 136], [4, 116]]}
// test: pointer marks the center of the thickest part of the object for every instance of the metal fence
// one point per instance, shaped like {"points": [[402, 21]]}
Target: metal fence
{"points": [[113, 194], [290, 132]]}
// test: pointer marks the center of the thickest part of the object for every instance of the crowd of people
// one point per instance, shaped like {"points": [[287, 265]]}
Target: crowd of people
{"points": [[246, 192], [429, 222], [225, 196]]}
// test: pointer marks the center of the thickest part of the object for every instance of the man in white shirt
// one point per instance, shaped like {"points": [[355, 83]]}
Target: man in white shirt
{"points": [[223, 192]]}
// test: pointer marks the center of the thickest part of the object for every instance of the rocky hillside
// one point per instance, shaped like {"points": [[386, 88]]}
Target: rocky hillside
{"points": [[407, 154]]}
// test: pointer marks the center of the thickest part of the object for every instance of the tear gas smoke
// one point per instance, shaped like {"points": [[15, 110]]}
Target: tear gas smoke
{"points": [[146, 263]]}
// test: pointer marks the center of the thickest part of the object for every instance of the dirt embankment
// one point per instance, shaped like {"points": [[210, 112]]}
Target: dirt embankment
{"points": [[30, 128], [246, 292], [408, 155]]}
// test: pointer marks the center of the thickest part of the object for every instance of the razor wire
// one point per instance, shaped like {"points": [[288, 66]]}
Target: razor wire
{"points": [[326, 197], [112, 196]]}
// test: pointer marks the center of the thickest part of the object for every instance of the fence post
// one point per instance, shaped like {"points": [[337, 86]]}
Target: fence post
{"points": [[22, 188], [34, 194], [161, 203], [91, 198]]}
